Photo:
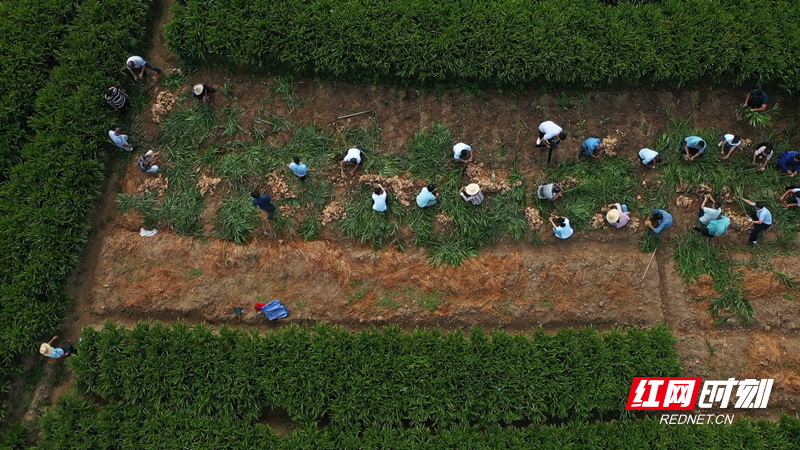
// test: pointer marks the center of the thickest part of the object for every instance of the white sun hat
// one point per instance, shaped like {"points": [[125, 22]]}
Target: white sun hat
{"points": [[472, 189]]}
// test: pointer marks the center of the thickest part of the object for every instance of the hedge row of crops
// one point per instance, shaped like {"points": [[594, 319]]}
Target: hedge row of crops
{"points": [[78, 424], [504, 42], [373, 377], [44, 202], [30, 34]]}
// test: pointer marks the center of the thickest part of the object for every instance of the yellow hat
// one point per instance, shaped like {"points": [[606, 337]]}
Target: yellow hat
{"points": [[45, 349], [197, 89], [612, 216], [472, 189]]}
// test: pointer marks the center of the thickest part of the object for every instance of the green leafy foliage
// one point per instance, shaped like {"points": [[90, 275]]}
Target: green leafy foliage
{"points": [[366, 225], [236, 219], [30, 34], [76, 424], [373, 377], [693, 254], [46, 199], [506, 42]]}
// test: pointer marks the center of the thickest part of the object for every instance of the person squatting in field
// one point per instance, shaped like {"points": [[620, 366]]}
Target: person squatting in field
{"points": [[48, 350], [794, 191], [265, 203], [135, 63], [462, 153], [353, 157]]}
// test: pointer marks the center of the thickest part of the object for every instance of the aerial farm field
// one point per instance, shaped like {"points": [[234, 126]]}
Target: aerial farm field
{"points": [[401, 321]]}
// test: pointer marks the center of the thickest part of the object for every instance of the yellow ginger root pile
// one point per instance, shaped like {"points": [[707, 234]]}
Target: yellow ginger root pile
{"points": [[444, 219], [207, 185], [158, 185], [740, 220], [683, 201], [598, 220], [165, 101], [277, 188], [488, 180], [726, 196], [333, 211], [535, 221], [698, 189], [288, 210], [634, 223], [569, 182], [610, 146], [403, 189]]}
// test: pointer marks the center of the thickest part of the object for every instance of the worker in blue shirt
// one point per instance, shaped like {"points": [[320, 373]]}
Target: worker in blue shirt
{"points": [[659, 220], [265, 203], [591, 147], [692, 147], [761, 221], [789, 162]]}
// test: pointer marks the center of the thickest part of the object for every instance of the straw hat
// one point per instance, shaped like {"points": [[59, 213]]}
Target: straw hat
{"points": [[472, 189], [612, 216], [45, 349], [197, 89]]}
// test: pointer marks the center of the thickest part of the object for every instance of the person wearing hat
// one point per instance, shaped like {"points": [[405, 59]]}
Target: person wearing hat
{"points": [[762, 155], [618, 215], [794, 191], [48, 350], [716, 227], [117, 98], [561, 227], [472, 193], [550, 191], [462, 152], [756, 100], [729, 142], [202, 91], [659, 220], [354, 157], [692, 147]]}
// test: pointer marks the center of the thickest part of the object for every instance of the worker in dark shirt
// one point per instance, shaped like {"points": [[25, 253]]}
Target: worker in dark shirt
{"points": [[265, 203]]}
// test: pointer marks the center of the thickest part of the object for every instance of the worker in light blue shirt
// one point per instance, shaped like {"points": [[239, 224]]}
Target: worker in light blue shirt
{"points": [[659, 220], [763, 220], [649, 157], [427, 197], [561, 227], [299, 169], [692, 147], [715, 227]]}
